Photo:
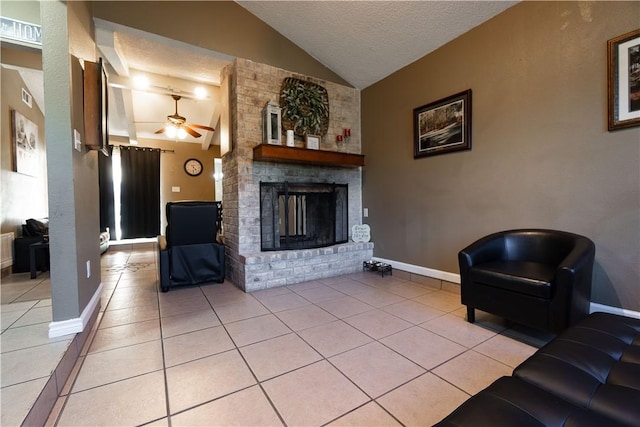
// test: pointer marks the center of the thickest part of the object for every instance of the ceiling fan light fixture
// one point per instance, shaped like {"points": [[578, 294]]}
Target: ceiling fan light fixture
{"points": [[141, 81], [171, 131], [176, 125], [200, 92]]}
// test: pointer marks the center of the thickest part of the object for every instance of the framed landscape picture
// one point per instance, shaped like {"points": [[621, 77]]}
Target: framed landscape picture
{"points": [[623, 81], [443, 126]]}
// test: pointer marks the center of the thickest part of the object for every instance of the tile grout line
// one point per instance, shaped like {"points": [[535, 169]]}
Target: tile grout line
{"points": [[255, 377], [297, 334]]}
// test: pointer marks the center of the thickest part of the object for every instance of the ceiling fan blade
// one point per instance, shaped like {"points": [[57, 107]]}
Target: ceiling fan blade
{"points": [[161, 130], [193, 125], [191, 132]]}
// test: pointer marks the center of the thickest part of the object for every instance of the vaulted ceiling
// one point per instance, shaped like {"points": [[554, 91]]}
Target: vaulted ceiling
{"points": [[362, 41], [365, 41]]}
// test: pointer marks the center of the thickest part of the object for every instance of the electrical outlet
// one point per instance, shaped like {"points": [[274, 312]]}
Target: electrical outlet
{"points": [[365, 212], [77, 142], [88, 268]]}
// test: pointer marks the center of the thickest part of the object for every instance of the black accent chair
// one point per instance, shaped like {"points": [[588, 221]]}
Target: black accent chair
{"points": [[190, 253], [539, 278]]}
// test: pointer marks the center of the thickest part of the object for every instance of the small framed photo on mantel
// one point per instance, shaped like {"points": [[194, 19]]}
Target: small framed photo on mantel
{"points": [[313, 142]]}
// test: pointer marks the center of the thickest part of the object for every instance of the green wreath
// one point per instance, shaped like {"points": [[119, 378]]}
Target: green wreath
{"points": [[305, 107]]}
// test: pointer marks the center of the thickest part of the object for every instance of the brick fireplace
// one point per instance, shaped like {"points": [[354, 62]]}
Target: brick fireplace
{"points": [[251, 86]]}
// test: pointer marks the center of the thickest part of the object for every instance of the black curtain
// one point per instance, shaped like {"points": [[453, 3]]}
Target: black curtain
{"points": [[140, 192], [105, 183]]}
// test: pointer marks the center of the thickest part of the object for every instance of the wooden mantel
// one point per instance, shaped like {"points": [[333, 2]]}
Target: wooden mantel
{"points": [[284, 154]]}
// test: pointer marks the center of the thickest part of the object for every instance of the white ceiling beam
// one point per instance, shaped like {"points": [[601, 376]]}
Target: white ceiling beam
{"points": [[215, 117], [108, 45], [122, 97], [206, 141], [163, 85], [215, 139]]}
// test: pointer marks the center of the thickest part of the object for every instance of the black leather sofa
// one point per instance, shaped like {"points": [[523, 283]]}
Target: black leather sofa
{"points": [[587, 376], [536, 277], [188, 253]]}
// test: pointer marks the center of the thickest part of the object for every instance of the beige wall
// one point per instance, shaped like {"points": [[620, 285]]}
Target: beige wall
{"points": [[22, 196], [26, 58], [541, 157]]}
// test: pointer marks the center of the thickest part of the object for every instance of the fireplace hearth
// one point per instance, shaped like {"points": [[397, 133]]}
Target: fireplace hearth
{"points": [[303, 215]]}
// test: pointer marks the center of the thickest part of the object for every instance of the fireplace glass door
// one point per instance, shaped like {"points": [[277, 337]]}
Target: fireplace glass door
{"points": [[302, 215]]}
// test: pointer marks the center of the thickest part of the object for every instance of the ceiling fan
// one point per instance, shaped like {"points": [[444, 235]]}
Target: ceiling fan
{"points": [[176, 123]]}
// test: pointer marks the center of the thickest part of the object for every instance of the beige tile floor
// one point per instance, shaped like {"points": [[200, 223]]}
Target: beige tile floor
{"points": [[352, 350]]}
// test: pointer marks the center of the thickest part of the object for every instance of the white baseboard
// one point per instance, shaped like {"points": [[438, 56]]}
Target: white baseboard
{"points": [[613, 310], [423, 271], [76, 325], [455, 278]]}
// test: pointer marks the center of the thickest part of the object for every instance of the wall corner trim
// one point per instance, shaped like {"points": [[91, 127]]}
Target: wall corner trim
{"points": [[76, 325], [423, 271]]}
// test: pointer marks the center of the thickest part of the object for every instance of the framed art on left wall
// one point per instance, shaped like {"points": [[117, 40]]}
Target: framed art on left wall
{"points": [[25, 143]]}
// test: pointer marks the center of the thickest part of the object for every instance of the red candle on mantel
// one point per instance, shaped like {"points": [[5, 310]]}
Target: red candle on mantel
{"points": [[347, 132], [339, 138]]}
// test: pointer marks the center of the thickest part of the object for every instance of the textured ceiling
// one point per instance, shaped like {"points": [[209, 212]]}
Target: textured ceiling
{"points": [[171, 59], [365, 41]]}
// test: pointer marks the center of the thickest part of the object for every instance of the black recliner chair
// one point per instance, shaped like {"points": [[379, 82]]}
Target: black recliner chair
{"points": [[539, 278], [189, 253]]}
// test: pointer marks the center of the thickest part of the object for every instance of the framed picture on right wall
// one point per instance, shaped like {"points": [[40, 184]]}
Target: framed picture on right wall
{"points": [[623, 80], [442, 126]]}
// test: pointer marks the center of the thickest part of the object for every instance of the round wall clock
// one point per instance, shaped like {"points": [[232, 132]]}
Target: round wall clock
{"points": [[193, 167]]}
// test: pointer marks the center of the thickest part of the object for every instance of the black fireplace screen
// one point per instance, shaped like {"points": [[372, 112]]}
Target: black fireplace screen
{"points": [[302, 215]]}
